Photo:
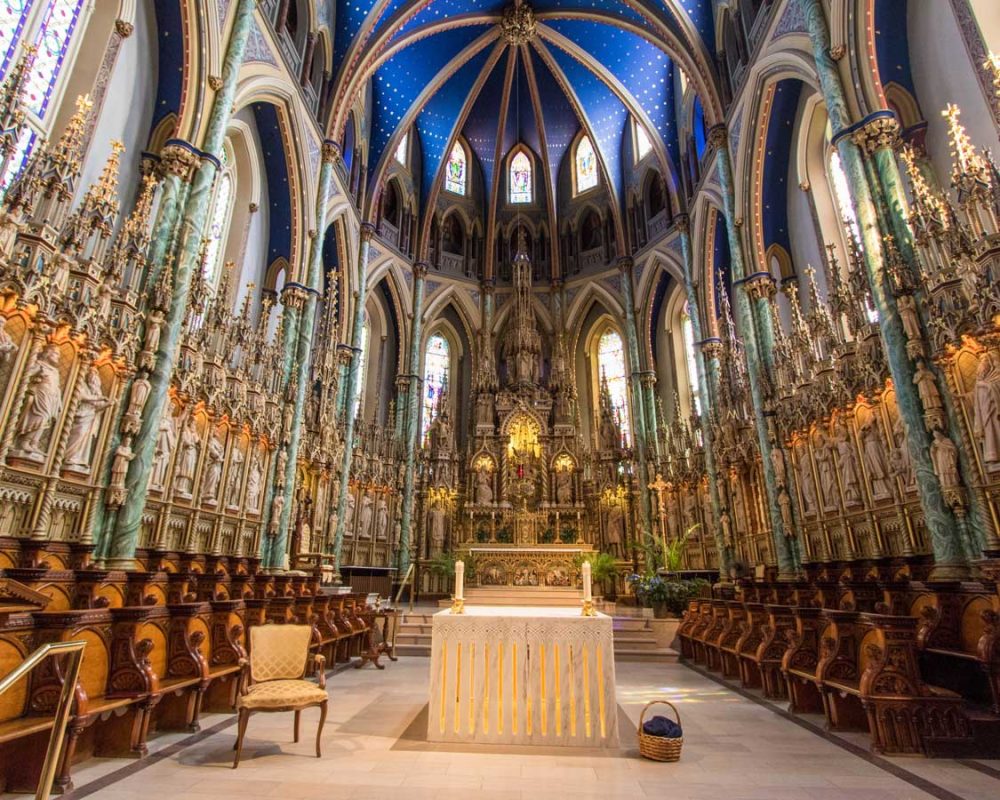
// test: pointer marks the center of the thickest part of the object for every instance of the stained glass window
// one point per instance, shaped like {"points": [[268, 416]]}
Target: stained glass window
{"points": [[55, 33], [642, 143], [520, 179], [455, 179], [842, 195], [215, 245], [403, 149], [687, 331], [586, 165], [437, 362], [611, 367], [362, 366], [13, 14]]}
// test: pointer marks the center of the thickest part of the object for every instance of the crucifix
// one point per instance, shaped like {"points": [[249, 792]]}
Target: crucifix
{"points": [[660, 486]]}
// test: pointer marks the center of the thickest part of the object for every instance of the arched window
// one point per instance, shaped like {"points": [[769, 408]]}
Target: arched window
{"points": [[520, 178], [215, 241], [842, 194], [53, 39], [687, 331], [611, 367], [403, 149], [437, 364], [642, 143], [455, 177], [362, 365], [586, 165]]}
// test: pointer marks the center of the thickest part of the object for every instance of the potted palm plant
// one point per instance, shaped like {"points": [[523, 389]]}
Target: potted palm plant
{"points": [[602, 570]]}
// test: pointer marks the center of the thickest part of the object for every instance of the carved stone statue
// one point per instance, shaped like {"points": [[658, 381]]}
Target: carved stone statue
{"points": [[907, 308], [213, 469], [901, 462], [616, 528], [382, 520], [806, 484], [564, 488], [874, 453], [43, 403], [923, 379], [187, 460], [8, 347], [986, 407], [349, 513], [848, 460], [944, 456], [254, 481], [277, 507], [119, 469], [484, 409], [236, 459], [823, 454], [365, 522], [137, 397], [484, 488], [154, 324], [164, 446], [90, 403], [778, 464], [785, 507], [280, 467], [436, 527], [726, 525]]}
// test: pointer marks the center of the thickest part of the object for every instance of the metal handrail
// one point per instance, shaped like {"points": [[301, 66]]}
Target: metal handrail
{"points": [[70, 677], [406, 578]]}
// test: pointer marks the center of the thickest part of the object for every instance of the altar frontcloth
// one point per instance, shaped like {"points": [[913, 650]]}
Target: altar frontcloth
{"points": [[523, 675]]}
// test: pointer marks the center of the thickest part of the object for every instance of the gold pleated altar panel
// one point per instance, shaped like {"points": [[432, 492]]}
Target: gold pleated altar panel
{"points": [[523, 675]]}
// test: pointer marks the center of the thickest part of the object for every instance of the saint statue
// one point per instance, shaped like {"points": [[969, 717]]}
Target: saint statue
{"points": [[349, 513], [848, 469], [785, 507], [213, 469], [986, 407], [382, 520], [236, 459], [8, 347], [564, 488], [944, 456], [43, 403], [823, 454], [254, 482], [365, 529], [437, 521], [874, 453], [277, 507], [778, 464], [902, 464], [119, 470], [907, 308], [90, 403], [930, 397], [187, 461], [615, 528], [806, 483], [484, 489], [164, 446], [484, 409]]}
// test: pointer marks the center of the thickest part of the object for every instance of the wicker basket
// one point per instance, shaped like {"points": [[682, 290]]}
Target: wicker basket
{"points": [[659, 748]]}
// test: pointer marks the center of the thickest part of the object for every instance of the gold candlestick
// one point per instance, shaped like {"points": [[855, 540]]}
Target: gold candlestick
{"points": [[588, 609], [457, 605]]}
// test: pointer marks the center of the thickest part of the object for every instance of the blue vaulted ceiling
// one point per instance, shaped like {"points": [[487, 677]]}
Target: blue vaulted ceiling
{"points": [[591, 65]]}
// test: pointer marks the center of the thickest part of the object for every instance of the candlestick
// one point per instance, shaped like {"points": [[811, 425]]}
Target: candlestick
{"points": [[587, 591], [459, 580]]}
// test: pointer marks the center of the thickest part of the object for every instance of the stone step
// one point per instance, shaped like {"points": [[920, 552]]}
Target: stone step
{"points": [[418, 650], [635, 643], [663, 655]]}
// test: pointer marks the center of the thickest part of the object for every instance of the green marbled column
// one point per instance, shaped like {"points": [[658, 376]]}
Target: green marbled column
{"points": [[410, 429], [946, 540], [291, 322], [707, 398], [638, 417], [878, 135], [124, 537], [354, 384], [783, 546], [303, 361]]}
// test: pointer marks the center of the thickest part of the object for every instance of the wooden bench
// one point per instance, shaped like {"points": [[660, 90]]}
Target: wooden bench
{"points": [[729, 639], [745, 649], [771, 650], [688, 620], [801, 660]]}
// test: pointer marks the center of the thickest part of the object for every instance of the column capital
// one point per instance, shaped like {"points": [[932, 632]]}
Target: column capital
{"points": [[178, 158], [711, 348], [293, 296], [683, 223], [876, 132], [488, 285], [367, 231], [330, 151], [718, 135], [124, 28], [625, 263], [420, 269], [759, 285]]}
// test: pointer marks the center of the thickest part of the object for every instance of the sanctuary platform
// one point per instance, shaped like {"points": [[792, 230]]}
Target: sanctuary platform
{"points": [[523, 675]]}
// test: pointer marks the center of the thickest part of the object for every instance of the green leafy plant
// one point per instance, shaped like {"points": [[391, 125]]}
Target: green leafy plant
{"points": [[443, 565], [673, 556]]}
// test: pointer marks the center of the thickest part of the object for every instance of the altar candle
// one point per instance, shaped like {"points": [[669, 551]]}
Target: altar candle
{"points": [[459, 580], [587, 594]]}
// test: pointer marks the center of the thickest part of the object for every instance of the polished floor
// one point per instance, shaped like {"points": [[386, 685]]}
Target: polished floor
{"points": [[736, 747]]}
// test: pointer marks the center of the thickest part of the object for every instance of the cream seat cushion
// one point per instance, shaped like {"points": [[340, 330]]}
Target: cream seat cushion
{"points": [[280, 694]]}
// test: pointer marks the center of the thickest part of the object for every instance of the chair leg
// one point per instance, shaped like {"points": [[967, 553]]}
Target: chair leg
{"points": [[242, 729], [322, 721], [297, 715]]}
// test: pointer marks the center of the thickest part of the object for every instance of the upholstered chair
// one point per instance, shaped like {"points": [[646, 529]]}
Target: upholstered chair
{"points": [[273, 678]]}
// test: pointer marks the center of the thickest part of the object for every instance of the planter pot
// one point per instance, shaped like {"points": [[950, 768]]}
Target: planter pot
{"points": [[647, 612], [660, 611]]}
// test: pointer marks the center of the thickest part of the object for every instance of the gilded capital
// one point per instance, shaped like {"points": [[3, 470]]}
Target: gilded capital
{"points": [[367, 231], [123, 28], [330, 151], [683, 223], [517, 26], [876, 134], [175, 159], [717, 136], [625, 263], [214, 82], [420, 269]]}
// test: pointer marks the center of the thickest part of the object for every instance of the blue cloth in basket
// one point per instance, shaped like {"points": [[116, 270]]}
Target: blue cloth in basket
{"points": [[663, 727]]}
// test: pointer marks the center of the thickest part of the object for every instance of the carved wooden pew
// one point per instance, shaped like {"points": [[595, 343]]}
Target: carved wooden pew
{"points": [[223, 651], [699, 629], [730, 637], [771, 650], [801, 659], [745, 649], [958, 636], [688, 621], [713, 633]]}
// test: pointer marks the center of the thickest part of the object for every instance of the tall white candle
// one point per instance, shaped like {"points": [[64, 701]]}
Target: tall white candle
{"points": [[459, 580], [587, 593]]}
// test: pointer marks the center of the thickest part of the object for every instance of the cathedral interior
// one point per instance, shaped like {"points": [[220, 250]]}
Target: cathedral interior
{"points": [[302, 295]]}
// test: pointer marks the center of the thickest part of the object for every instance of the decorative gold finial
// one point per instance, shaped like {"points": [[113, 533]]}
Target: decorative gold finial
{"points": [[992, 64], [968, 165], [518, 24]]}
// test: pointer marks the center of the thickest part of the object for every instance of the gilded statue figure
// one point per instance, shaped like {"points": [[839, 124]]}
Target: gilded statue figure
{"points": [[43, 404]]}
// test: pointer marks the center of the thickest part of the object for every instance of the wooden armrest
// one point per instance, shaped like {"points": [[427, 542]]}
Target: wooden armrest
{"points": [[320, 665], [244, 679]]}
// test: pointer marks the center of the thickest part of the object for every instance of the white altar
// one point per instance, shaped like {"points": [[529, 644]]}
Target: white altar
{"points": [[523, 675]]}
